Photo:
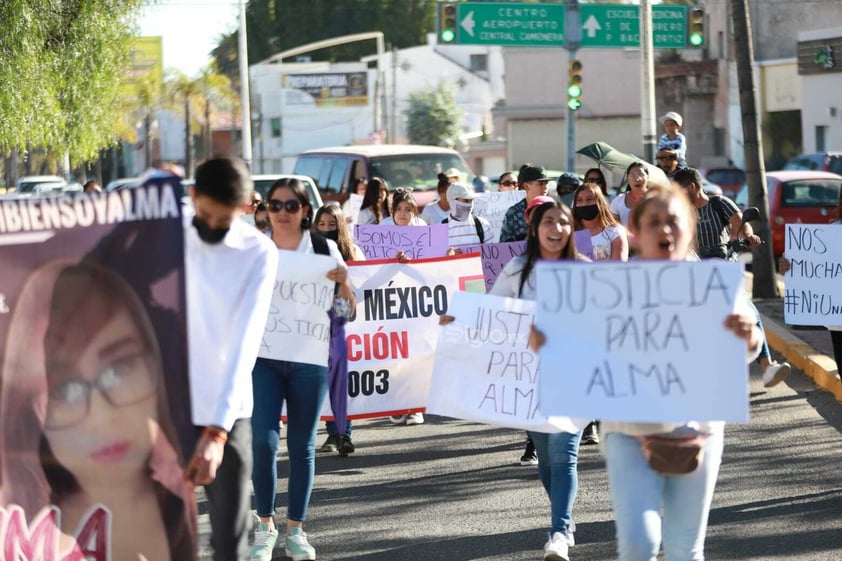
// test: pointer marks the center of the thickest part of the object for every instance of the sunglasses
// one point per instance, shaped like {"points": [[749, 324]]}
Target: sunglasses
{"points": [[593, 180], [404, 190], [510, 182], [291, 206]]}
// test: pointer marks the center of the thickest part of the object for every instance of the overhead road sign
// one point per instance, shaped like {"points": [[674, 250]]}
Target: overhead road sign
{"points": [[509, 24], [618, 25]]}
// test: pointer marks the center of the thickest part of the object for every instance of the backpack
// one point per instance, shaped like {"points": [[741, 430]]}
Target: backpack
{"points": [[477, 225]]}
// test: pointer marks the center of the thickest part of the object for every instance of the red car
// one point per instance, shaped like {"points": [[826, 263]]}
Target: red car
{"points": [[729, 178], [795, 197]]}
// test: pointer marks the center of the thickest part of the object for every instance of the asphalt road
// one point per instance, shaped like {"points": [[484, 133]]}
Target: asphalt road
{"points": [[453, 491]]}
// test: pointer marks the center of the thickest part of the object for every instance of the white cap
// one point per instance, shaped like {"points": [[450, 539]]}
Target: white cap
{"points": [[674, 116], [460, 191]]}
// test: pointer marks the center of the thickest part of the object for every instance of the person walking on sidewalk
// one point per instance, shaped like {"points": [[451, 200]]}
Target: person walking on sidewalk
{"points": [[719, 220], [233, 266]]}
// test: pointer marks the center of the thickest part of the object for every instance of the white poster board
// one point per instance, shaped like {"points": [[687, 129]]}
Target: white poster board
{"points": [[392, 341], [813, 294], [493, 206], [484, 370], [352, 208], [298, 327], [642, 341]]}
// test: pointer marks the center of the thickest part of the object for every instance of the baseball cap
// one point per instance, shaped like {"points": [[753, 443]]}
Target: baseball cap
{"points": [[537, 201], [460, 191], [531, 172], [453, 172], [674, 116], [567, 179]]}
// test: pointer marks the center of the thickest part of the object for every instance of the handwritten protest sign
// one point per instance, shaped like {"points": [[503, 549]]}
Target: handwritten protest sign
{"points": [[352, 208], [392, 340], [495, 256], [493, 206], [94, 384], [642, 341], [813, 294], [381, 241], [298, 327], [584, 244], [484, 370]]}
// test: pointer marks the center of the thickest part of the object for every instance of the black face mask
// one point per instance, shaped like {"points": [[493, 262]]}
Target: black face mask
{"points": [[331, 235], [587, 212], [208, 234]]}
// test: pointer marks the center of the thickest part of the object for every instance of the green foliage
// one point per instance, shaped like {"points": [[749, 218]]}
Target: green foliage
{"points": [[62, 63], [278, 25], [432, 117]]}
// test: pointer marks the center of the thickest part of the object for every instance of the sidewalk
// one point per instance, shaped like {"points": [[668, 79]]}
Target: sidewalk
{"points": [[807, 348]]}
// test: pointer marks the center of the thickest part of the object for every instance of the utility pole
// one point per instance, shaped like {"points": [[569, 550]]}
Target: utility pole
{"points": [[572, 37], [393, 129], [245, 102], [763, 265], [647, 83]]}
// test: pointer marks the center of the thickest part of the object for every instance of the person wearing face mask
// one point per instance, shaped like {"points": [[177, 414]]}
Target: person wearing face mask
{"points": [[591, 212], [465, 228], [230, 271]]}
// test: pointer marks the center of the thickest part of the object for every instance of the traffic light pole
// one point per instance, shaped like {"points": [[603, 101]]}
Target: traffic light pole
{"points": [[647, 83], [573, 35]]}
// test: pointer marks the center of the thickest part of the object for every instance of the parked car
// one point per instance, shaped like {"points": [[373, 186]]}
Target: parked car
{"points": [[795, 197], [262, 183], [401, 165], [730, 179], [39, 185], [818, 161]]}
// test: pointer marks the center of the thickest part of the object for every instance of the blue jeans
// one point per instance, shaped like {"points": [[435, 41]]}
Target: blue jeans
{"points": [[639, 493], [303, 387], [331, 427], [558, 456]]}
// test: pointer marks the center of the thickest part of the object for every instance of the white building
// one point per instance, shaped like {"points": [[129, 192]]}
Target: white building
{"points": [[309, 105]]}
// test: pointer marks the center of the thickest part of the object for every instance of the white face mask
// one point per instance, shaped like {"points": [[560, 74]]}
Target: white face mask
{"points": [[460, 211]]}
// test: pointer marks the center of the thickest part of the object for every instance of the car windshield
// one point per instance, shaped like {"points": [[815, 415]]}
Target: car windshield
{"points": [[726, 176], [419, 171], [810, 192]]}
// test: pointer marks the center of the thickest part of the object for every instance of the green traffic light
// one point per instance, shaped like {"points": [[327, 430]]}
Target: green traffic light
{"points": [[574, 90], [574, 104], [697, 39], [448, 35]]}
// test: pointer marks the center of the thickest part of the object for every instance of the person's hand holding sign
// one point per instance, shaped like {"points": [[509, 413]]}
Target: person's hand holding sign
{"points": [[208, 456]]}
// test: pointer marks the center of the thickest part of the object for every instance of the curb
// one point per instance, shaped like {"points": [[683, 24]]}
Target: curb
{"points": [[819, 367]]}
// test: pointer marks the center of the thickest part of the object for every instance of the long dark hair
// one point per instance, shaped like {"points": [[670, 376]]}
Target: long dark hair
{"points": [[606, 219], [300, 193], [344, 240], [371, 199], [532, 253]]}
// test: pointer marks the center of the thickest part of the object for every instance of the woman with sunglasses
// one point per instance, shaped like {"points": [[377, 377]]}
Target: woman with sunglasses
{"points": [[595, 175], [261, 218], [507, 182], [302, 386]]}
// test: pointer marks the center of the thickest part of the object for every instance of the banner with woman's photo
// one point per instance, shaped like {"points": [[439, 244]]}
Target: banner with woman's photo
{"points": [[94, 395]]}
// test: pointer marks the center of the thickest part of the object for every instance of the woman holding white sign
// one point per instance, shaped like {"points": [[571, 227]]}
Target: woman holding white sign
{"points": [[669, 468], [302, 385], [549, 237]]}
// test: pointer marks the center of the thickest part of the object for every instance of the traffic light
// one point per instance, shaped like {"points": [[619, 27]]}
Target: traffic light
{"points": [[574, 85], [447, 22], [696, 27]]}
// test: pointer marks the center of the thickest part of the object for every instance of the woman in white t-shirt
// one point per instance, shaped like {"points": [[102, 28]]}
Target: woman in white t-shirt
{"points": [[375, 206], [637, 177], [591, 213]]}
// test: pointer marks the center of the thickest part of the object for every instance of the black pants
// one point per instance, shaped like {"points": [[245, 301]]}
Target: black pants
{"points": [[836, 339], [229, 503]]}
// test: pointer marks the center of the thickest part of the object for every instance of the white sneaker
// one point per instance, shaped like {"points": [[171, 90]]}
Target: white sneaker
{"points": [[398, 419], [775, 373], [556, 548], [415, 419], [265, 538], [297, 546]]}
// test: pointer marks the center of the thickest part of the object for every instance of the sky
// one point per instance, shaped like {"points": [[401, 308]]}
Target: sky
{"points": [[190, 28]]}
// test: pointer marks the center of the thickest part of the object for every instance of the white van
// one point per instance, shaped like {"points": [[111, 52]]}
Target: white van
{"points": [[401, 165]]}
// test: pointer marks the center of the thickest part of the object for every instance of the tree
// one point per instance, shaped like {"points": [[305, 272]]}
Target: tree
{"points": [[277, 25], [61, 72], [432, 117]]}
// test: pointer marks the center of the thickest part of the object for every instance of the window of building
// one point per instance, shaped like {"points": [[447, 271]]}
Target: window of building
{"points": [[479, 63], [821, 134], [275, 123]]}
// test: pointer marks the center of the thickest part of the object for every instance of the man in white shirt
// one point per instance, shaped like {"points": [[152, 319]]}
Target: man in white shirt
{"points": [[466, 228], [230, 270]]}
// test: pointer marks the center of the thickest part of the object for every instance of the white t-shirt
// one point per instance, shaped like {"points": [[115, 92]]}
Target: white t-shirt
{"points": [[465, 233], [366, 217], [601, 242], [416, 221], [618, 207], [434, 214]]}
